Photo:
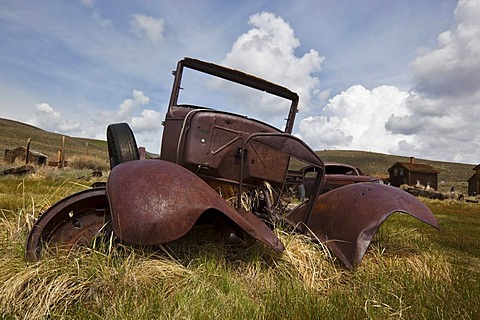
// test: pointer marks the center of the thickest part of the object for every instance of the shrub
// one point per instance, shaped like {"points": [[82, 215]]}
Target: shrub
{"points": [[88, 162]]}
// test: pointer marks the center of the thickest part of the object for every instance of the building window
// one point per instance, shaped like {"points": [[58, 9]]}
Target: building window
{"points": [[395, 172], [401, 171]]}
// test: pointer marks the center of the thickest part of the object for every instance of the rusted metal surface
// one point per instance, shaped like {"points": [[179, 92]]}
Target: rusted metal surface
{"points": [[155, 201], [341, 174], [290, 146], [210, 143], [336, 175], [347, 218], [73, 221]]}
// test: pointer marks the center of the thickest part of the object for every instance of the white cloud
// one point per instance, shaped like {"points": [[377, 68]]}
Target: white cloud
{"points": [[151, 27], [268, 50], [355, 119], [125, 110], [149, 120], [436, 119], [130, 105], [446, 100], [45, 109], [49, 119], [88, 3], [453, 67], [145, 124]]}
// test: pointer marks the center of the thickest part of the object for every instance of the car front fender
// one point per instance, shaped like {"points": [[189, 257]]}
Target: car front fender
{"points": [[346, 218], [156, 201]]}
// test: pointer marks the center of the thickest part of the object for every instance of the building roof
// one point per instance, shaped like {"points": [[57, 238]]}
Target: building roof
{"points": [[416, 167]]}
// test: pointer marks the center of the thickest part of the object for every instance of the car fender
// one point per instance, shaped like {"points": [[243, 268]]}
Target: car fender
{"points": [[345, 219], [156, 201]]}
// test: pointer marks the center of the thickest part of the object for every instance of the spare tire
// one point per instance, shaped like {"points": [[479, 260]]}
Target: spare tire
{"points": [[121, 142]]}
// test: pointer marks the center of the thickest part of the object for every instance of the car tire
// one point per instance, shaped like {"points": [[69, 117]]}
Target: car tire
{"points": [[122, 146]]}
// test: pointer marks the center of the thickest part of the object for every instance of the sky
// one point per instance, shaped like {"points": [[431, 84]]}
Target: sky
{"points": [[396, 77]]}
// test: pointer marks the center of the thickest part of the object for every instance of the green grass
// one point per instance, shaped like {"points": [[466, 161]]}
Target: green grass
{"points": [[411, 271]]}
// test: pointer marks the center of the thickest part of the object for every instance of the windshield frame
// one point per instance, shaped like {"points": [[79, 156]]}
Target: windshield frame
{"points": [[234, 76]]}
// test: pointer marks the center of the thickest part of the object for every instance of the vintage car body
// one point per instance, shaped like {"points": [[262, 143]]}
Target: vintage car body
{"points": [[336, 175], [207, 157], [341, 174]]}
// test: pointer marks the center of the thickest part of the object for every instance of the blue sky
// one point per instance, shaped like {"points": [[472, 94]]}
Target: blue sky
{"points": [[400, 77]]}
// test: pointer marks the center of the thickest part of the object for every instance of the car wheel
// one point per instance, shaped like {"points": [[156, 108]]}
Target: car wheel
{"points": [[75, 221], [121, 142]]}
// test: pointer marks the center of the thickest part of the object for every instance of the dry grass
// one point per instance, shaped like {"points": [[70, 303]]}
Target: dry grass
{"points": [[88, 162], [411, 271]]}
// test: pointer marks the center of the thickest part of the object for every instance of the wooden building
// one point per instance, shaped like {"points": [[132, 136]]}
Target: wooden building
{"points": [[474, 182], [412, 173], [18, 154]]}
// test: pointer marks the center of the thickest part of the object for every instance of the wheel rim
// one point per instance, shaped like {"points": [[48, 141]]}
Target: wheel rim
{"points": [[73, 221]]}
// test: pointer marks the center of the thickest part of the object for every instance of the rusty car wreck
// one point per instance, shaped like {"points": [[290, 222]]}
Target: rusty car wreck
{"points": [[204, 153]]}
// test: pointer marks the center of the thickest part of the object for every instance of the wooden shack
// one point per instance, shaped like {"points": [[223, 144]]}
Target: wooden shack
{"points": [[412, 173], [19, 154], [474, 182]]}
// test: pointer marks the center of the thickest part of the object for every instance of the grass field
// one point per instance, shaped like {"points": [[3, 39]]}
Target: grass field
{"points": [[411, 271]]}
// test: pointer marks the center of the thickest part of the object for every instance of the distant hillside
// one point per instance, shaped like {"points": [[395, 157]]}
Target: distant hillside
{"points": [[14, 134]]}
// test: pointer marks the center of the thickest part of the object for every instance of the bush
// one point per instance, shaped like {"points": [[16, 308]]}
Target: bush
{"points": [[88, 162]]}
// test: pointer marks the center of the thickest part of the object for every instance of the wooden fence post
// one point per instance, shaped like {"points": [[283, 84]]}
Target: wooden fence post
{"points": [[63, 152], [27, 150]]}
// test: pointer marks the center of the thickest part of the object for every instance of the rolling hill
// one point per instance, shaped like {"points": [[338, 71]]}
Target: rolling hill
{"points": [[14, 134]]}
